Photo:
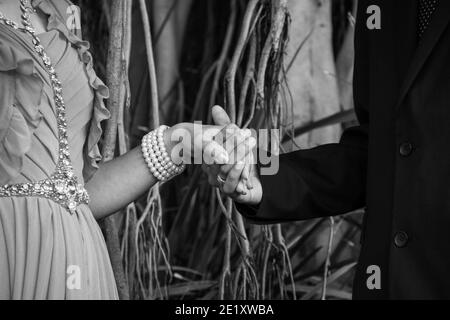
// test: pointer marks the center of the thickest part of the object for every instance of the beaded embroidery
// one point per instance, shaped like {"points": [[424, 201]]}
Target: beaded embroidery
{"points": [[62, 186]]}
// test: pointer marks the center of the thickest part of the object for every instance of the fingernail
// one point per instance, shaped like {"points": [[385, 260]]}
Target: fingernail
{"points": [[242, 193], [222, 158]]}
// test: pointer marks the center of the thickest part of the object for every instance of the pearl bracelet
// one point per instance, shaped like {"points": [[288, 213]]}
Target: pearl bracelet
{"points": [[156, 157]]}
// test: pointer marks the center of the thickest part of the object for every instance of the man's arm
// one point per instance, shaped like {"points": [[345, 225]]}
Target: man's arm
{"points": [[324, 181]]}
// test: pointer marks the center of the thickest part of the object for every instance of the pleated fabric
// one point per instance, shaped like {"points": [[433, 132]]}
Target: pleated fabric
{"points": [[45, 252]]}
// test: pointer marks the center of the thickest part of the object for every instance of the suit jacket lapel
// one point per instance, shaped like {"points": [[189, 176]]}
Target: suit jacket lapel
{"points": [[391, 47], [405, 36], [437, 26]]}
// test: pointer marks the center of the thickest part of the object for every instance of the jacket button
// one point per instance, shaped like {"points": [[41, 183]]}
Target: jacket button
{"points": [[406, 149], [401, 239]]}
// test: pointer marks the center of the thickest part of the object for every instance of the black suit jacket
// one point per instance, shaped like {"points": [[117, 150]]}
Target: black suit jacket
{"points": [[396, 163]]}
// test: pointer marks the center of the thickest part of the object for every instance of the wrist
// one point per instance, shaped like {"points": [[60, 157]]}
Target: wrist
{"points": [[257, 198], [157, 156], [169, 141], [173, 138]]}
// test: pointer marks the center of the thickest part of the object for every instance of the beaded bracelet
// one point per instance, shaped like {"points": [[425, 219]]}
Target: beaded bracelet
{"points": [[156, 157]]}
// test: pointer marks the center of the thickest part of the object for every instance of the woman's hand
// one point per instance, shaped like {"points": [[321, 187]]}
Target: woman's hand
{"points": [[193, 143], [221, 144]]}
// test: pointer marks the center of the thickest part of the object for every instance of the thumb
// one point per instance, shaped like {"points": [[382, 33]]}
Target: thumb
{"points": [[220, 116]]}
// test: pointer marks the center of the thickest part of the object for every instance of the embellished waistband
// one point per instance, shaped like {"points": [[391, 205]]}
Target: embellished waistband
{"points": [[67, 193]]}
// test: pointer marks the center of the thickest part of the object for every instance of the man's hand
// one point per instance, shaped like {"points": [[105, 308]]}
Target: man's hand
{"points": [[239, 178], [246, 191]]}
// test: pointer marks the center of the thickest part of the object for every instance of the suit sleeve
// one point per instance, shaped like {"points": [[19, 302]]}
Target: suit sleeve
{"points": [[325, 181]]}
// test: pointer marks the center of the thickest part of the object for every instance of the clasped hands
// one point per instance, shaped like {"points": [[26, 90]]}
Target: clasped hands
{"points": [[225, 152], [238, 178]]}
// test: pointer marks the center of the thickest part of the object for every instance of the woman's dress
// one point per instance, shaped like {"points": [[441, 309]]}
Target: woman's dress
{"points": [[46, 252]]}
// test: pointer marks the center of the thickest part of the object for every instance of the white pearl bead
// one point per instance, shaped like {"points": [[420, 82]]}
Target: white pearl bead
{"points": [[156, 156]]}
